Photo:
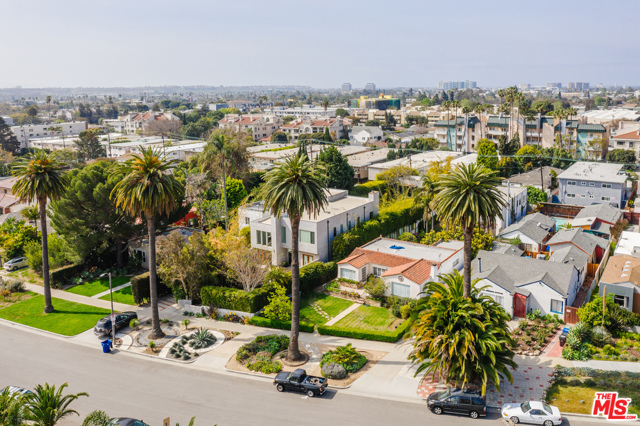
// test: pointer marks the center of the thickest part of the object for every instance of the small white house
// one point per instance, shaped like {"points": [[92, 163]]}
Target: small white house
{"points": [[405, 267], [364, 135], [522, 284]]}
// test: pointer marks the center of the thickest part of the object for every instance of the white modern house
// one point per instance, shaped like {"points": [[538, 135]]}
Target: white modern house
{"points": [[30, 131], [405, 267], [364, 135], [316, 233], [522, 284], [628, 244], [515, 206]]}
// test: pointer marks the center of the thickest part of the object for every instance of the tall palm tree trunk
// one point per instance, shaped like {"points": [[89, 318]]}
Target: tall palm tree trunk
{"points": [[468, 235], [156, 331], [224, 189], [48, 306], [293, 353]]}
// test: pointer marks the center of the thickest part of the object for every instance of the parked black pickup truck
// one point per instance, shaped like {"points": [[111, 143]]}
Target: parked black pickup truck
{"points": [[298, 380]]}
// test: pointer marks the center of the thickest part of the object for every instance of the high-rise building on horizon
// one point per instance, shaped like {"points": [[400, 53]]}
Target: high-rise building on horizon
{"points": [[450, 85], [578, 86], [346, 87], [370, 87], [554, 85]]}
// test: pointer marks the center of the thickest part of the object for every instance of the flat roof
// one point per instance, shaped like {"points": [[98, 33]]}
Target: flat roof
{"points": [[421, 160], [597, 172], [410, 250], [628, 243], [366, 158]]}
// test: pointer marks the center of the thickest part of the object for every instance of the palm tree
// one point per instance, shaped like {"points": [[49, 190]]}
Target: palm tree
{"points": [[456, 105], [468, 197], [12, 409], [147, 188], [294, 187], [540, 109], [466, 110], [40, 178], [47, 406], [96, 418], [462, 339], [424, 199], [446, 105], [325, 104], [217, 147], [478, 111], [261, 100]]}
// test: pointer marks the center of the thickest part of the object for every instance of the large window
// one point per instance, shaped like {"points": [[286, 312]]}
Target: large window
{"points": [[402, 290], [556, 306], [347, 273], [378, 271], [264, 238], [621, 300], [307, 237], [283, 233]]}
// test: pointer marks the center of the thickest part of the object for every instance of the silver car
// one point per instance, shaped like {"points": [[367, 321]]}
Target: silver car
{"points": [[17, 263], [534, 412]]}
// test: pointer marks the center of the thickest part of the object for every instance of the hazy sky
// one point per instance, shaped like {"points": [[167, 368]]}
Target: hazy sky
{"points": [[320, 43]]}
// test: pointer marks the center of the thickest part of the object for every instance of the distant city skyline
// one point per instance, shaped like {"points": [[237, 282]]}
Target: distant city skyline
{"points": [[322, 45]]}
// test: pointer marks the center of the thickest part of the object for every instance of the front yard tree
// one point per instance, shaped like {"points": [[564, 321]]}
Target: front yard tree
{"points": [[88, 219], [40, 178], [148, 189], [339, 173], [294, 187], [468, 197], [462, 339]]}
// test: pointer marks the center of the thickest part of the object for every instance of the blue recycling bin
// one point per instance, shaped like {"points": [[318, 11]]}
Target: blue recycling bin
{"points": [[106, 346]]}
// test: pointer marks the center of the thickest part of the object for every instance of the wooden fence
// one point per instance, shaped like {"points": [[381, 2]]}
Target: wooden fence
{"points": [[570, 315]]}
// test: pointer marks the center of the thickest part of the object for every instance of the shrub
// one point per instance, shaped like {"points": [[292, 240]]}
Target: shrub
{"points": [[334, 371], [265, 365], [140, 288], [407, 236], [236, 299], [600, 336], [282, 325], [590, 383], [15, 286], [364, 189], [405, 311], [608, 350], [581, 354], [61, 276], [375, 287], [579, 334], [616, 318], [381, 336], [279, 307], [315, 274]]}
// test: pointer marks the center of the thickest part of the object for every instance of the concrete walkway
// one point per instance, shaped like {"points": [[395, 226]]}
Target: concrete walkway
{"points": [[343, 314], [609, 365], [104, 293]]}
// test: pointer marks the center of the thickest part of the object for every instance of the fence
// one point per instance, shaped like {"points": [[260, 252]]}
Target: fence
{"points": [[570, 315], [560, 210], [598, 273]]}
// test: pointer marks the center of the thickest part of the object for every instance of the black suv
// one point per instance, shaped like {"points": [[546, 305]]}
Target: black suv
{"points": [[458, 401]]}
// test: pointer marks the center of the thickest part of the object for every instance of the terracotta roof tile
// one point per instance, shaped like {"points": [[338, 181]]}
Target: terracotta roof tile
{"points": [[360, 257], [631, 135], [417, 271]]}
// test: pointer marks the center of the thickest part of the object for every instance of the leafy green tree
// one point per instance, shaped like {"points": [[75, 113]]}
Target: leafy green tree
{"points": [[339, 173], [236, 192], [279, 307], [621, 156], [148, 189], [59, 253], [279, 137], [47, 406], [88, 219], [535, 195], [468, 197], [40, 178], [528, 154], [481, 240], [372, 123], [462, 338], [487, 154], [423, 199], [375, 287], [8, 140], [341, 112], [544, 106], [407, 236], [327, 135], [15, 235], [508, 147], [616, 318], [294, 187], [88, 147]]}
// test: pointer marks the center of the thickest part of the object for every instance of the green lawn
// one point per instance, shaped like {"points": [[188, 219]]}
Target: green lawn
{"points": [[68, 319], [331, 305], [567, 398], [91, 288], [368, 318], [121, 296]]}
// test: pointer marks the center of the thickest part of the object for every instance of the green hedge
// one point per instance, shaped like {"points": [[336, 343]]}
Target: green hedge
{"points": [[364, 189], [62, 275], [282, 325], [140, 288], [235, 299], [381, 336], [387, 222], [315, 274]]}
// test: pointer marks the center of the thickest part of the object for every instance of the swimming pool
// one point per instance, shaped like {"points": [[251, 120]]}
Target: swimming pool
{"points": [[560, 221]]}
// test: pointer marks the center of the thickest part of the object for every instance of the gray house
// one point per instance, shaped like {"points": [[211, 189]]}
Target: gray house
{"points": [[621, 278], [587, 183]]}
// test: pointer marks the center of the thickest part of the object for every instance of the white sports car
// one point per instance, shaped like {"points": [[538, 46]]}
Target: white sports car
{"points": [[535, 412]]}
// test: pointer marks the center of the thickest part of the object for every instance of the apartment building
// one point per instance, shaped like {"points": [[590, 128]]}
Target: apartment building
{"points": [[308, 126], [261, 126], [316, 233], [586, 183], [465, 131], [307, 111], [137, 121], [30, 131]]}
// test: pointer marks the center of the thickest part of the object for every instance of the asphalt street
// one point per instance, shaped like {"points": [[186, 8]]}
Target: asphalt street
{"points": [[127, 385]]}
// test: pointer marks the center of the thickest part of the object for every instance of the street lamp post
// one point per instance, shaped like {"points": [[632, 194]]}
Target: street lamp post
{"points": [[113, 322]]}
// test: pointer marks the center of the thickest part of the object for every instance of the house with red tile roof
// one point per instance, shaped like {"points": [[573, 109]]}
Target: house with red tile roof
{"points": [[405, 267], [629, 140], [261, 126], [308, 126], [135, 121]]}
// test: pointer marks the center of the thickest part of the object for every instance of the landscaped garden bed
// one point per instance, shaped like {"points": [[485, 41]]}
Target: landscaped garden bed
{"points": [[68, 319], [573, 389], [192, 345], [12, 292], [260, 355], [533, 335], [343, 365], [625, 348]]}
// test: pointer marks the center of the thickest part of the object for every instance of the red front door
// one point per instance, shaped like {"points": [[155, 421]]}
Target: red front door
{"points": [[519, 305]]}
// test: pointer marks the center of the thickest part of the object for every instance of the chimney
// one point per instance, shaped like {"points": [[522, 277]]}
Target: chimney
{"points": [[375, 197]]}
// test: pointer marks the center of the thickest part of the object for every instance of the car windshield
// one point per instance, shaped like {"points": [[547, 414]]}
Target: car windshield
{"points": [[547, 408], [525, 407], [444, 394]]}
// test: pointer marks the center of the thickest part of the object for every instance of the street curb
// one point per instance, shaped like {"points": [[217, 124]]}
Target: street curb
{"points": [[271, 378]]}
